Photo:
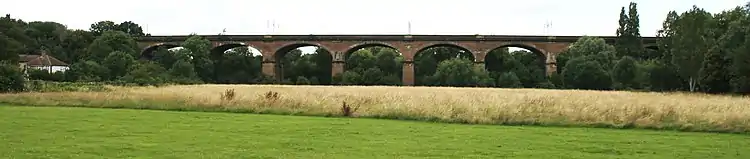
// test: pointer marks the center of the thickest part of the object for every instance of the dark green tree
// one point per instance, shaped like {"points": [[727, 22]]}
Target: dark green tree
{"points": [[100, 27], [715, 75], [11, 78], [625, 72], [109, 42], [86, 71], [200, 51], [147, 73], [692, 39], [118, 63], [584, 73], [509, 80]]}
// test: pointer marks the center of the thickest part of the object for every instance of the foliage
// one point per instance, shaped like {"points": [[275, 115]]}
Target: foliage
{"points": [[39, 74], [509, 80], [86, 71], [118, 63], [108, 42], [11, 79], [461, 72], [147, 74], [583, 73], [691, 41], [48, 86], [625, 73]]}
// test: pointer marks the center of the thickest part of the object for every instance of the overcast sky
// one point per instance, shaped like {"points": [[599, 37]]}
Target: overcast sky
{"points": [[504, 17]]}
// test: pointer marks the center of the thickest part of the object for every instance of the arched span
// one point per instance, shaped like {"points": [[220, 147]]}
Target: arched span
{"points": [[148, 52], [450, 45], [219, 51], [359, 46], [532, 48], [224, 47], [281, 52]]}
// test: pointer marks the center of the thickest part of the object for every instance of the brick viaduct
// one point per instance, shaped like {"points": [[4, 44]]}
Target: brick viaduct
{"points": [[270, 46]]}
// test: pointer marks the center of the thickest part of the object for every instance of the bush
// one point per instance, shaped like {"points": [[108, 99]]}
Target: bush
{"points": [[509, 80], [11, 78], [584, 73], [48, 86], [37, 74], [301, 80]]}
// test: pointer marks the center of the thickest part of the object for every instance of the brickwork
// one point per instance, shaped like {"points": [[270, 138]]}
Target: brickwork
{"points": [[272, 48]]}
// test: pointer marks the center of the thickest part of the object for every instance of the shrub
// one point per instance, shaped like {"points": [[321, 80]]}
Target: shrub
{"points": [[37, 74], [11, 78]]}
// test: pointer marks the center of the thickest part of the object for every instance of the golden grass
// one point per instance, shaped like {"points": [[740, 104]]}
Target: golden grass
{"points": [[674, 111]]}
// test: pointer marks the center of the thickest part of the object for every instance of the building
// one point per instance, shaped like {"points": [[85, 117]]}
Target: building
{"points": [[42, 62]]}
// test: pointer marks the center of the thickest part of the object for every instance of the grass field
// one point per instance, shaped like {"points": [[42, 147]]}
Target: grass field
{"points": [[617, 109], [55, 132]]}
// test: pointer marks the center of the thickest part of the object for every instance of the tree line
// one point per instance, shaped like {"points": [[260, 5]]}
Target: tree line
{"points": [[697, 51]]}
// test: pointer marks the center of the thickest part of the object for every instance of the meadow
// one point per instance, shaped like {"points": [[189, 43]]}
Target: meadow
{"points": [[566, 108], [80, 133]]}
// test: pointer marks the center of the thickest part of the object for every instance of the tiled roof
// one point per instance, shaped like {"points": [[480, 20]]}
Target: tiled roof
{"points": [[41, 60]]}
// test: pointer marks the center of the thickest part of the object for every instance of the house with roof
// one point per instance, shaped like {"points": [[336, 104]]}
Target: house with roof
{"points": [[42, 62]]}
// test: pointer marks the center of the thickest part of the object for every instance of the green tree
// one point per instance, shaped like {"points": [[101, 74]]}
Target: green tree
{"points": [[663, 77], [509, 80], [200, 51], [583, 73], [635, 42], [715, 75], [146, 73], [11, 78], [86, 71], [9, 49], [461, 72], [183, 72], [118, 63], [75, 42], [595, 47], [130, 28], [101, 27], [109, 42], [664, 36], [691, 40], [629, 41], [625, 72], [301, 80]]}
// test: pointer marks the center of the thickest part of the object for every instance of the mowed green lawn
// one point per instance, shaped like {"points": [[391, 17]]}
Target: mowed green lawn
{"points": [[47, 132]]}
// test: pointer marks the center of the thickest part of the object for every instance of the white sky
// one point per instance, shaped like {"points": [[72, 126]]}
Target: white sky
{"points": [[504, 17]]}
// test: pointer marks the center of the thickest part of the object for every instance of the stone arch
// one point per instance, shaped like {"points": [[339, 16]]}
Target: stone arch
{"points": [[281, 51], [219, 50], [147, 52], [441, 44], [351, 49], [541, 53]]}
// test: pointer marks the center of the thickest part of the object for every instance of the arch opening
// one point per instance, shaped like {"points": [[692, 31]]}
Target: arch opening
{"points": [[427, 60], [303, 64], [372, 64], [515, 66], [150, 51], [237, 63]]}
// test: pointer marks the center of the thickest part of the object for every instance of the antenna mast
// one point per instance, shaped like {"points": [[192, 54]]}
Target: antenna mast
{"points": [[409, 27]]}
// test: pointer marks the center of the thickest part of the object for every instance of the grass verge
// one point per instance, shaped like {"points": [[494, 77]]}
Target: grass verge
{"points": [[49, 132]]}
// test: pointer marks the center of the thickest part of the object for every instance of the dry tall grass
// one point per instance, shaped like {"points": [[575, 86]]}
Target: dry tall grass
{"points": [[676, 111]]}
